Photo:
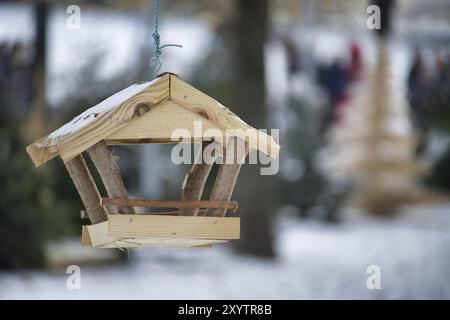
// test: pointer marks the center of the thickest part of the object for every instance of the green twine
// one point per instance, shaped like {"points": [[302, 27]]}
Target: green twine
{"points": [[155, 61]]}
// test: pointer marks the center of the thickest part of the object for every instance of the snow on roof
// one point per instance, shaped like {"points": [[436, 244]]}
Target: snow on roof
{"points": [[90, 114]]}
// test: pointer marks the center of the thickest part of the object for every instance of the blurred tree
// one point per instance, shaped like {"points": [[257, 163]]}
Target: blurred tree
{"points": [[254, 192], [440, 122], [311, 192], [36, 125], [386, 7], [35, 206], [440, 173], [29, 212]]}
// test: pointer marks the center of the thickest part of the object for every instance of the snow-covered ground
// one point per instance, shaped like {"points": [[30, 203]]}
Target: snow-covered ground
{"points": [[314, 261]]}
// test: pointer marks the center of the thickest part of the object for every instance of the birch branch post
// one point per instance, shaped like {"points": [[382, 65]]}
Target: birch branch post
{"points": [[110, 174], [195, 180], [227, 175], [87, 189]]}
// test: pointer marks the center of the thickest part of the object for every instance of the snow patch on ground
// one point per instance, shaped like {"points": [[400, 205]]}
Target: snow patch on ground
{"points": [[314, 261]]}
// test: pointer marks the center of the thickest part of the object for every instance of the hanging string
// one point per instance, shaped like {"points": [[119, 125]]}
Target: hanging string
{"points": [[155, 61]]}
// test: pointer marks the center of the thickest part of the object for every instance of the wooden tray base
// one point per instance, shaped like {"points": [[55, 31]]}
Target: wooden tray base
{"points": [[145, 230]]}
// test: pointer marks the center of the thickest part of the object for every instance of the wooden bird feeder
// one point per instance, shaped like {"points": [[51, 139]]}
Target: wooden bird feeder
{"points": [[149, 113]]}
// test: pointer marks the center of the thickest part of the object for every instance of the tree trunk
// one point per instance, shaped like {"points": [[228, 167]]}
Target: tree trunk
{"points": [[36, 125], [253, 191]]}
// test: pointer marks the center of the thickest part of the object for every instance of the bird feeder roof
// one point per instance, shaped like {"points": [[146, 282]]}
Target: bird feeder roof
{"points": [[164, 110]]}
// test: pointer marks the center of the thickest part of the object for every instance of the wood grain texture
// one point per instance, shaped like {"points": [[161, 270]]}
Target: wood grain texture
{"points": [[195, 180], [85, 185], [166, 122], [143, 226], [210, 109], [96, 235], [109, 173], [170, 203], [99, 232], [226, 179], [73, 144]]}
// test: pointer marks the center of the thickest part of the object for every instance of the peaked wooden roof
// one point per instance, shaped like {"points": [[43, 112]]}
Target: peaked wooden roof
{"points": [[143, 113]]}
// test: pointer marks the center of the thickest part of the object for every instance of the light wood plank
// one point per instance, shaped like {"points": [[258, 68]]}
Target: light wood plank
{"points": [[160, 123], [143, 226], [162, 243], [97, 236]]}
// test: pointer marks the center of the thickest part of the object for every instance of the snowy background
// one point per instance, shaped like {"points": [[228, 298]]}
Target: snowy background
{"points": [[314, 262]]}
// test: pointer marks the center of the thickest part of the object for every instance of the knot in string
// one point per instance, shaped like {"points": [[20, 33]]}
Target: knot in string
{"points": [[155, 61]]}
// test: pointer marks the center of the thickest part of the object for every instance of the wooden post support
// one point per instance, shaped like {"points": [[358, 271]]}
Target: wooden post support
{"points": [[87, 189], [227, 176], [195, 180], [110, 174]]}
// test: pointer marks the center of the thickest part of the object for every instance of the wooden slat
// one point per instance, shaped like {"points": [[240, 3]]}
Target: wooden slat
{"points": [[99, 232], [226, 179], [195, 180], [87, 189], [162, 122], [109, 173], [97, 235], [232, 205], [161, 243], [143, 226]]}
